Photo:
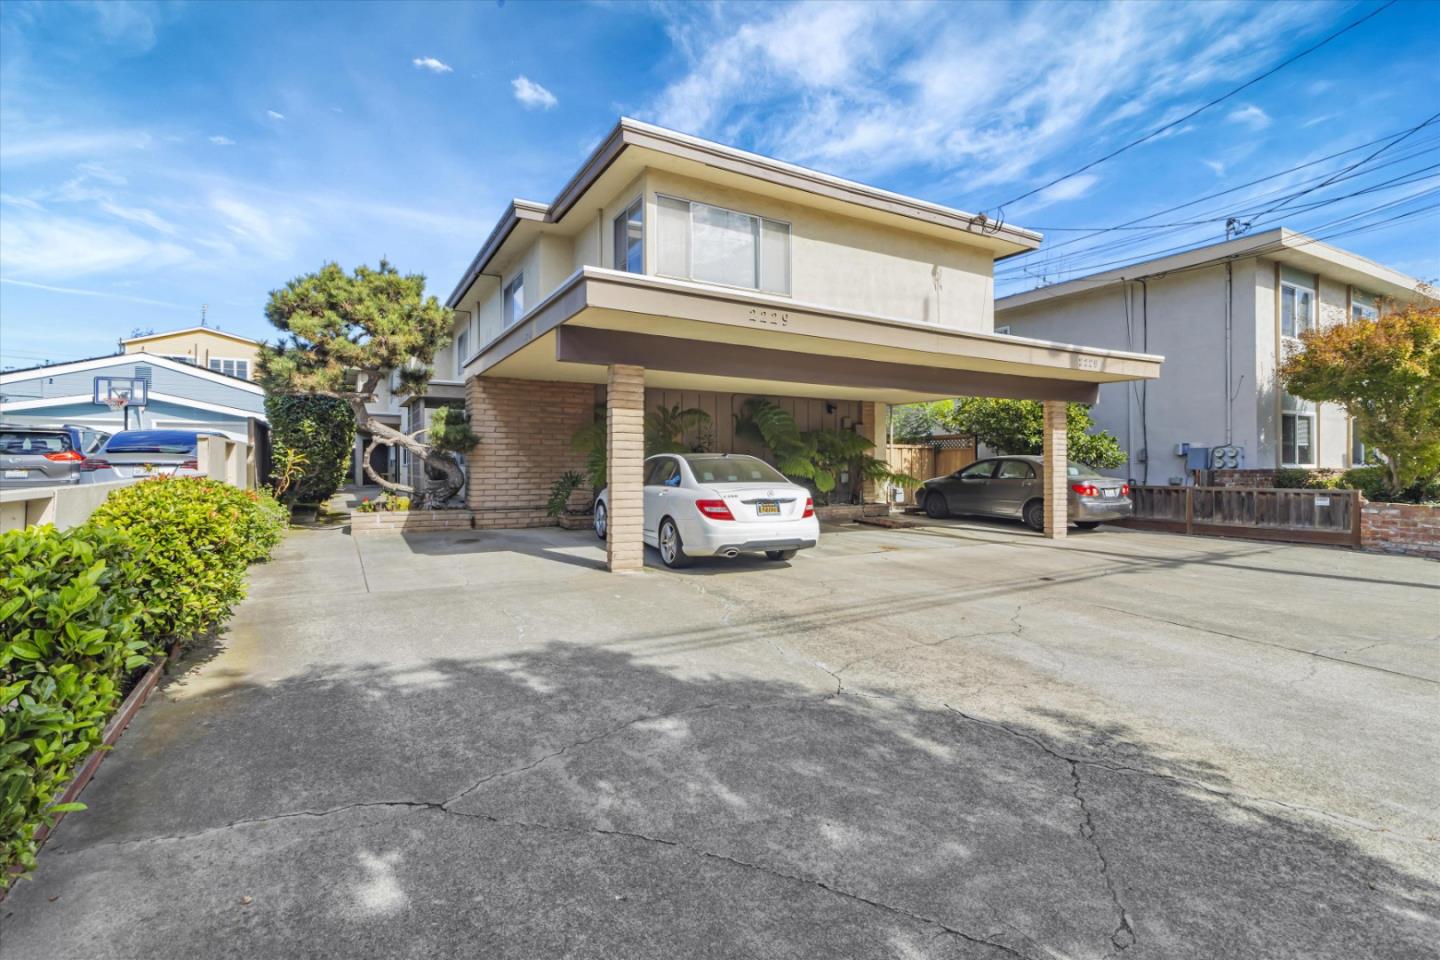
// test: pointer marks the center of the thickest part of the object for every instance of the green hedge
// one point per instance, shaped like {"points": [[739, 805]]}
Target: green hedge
{"points": [[320, 428], [199, 535], [83, 610], [1373, 483]]}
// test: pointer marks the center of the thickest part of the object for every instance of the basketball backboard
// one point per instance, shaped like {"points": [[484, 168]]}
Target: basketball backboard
{"points": [[121, 392]]}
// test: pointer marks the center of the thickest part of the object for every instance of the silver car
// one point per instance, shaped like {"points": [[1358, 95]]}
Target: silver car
{"points": [[36, 456], [137, 454], [1010, 487]]}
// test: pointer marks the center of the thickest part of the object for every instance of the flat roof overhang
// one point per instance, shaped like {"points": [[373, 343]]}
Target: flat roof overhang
{"points": [[691, 336]]}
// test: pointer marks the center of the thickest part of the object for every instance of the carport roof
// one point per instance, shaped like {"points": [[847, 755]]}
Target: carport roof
{"points": [[696, 337]]}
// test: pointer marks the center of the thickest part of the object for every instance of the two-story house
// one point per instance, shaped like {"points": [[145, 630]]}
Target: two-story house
{"points": [[672, 269], [1225, 315], [202, 346]]}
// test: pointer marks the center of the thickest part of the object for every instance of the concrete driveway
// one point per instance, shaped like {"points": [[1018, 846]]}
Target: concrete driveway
{"points": [[958, 740]]}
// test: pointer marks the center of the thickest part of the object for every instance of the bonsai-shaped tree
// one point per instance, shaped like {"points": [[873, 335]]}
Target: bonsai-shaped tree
{"points": [[343, 335], [1386, 374]]}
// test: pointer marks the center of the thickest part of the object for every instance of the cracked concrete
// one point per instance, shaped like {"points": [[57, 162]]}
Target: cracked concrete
{"points": [[483, 746]]}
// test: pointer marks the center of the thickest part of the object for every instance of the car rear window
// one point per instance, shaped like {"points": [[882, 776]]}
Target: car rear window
{"points": [[25, 441], [152, 441], [721, 469]]}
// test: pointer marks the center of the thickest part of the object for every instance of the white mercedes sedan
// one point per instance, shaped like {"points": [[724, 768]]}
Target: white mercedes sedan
{"points": [[719, 505]]}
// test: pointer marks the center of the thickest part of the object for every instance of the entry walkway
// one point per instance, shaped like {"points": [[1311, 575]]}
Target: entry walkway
{"points": [[958, 740]]}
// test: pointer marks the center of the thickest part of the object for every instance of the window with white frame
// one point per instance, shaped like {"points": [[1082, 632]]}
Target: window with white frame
{"points": [[630, 238], [231, 368], [1297, 431], [179, 358], [1297, 309], [1363, 306], [515, 300], [462, 348], [698, 241]]}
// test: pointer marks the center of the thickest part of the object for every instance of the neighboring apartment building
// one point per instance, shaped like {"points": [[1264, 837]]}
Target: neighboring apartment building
{"points": [[1225, 316], [672, 269], [206, 347]]}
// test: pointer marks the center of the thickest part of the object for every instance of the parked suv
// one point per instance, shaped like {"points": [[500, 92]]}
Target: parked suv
{"points": [[38, 456], [137, 454]]}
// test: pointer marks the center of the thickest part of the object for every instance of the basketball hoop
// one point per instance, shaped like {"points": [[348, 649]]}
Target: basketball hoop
{"points": [[116, 403]]}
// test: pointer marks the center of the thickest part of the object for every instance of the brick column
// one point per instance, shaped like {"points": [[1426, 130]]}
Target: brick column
{"points": [[625, 450], [1056, 483], [875, 426]]}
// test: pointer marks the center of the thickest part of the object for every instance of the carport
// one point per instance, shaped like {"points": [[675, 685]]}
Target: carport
{"points": [[629, 331]]}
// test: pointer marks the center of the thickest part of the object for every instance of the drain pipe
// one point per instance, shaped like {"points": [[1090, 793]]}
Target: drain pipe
{"points": [[1229, 372]]}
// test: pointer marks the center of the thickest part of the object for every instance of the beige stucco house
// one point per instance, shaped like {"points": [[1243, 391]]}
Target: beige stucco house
{"points": [[1225, 315], [206, 347], [672, 269]]}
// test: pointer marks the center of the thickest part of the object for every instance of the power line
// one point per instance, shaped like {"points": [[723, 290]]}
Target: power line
{"points": [[1000, 211]]}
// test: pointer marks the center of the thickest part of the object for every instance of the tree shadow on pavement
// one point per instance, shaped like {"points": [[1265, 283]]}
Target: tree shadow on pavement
{"points": [[575, 801]]}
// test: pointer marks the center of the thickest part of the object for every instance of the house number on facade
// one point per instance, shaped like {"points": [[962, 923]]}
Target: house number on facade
{"points": [[774, 318]]}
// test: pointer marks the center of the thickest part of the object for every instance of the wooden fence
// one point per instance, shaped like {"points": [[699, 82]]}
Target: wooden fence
{"points": [[924, 461], [1256, 513]]}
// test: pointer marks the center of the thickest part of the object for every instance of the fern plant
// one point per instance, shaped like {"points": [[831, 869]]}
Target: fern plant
{"points": [[666, 431]]}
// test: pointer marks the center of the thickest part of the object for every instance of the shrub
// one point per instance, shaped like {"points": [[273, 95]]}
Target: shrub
{"points": [[70, 632], [319, 429], [1299, 478], [1374, 484], [198, 535], [560, 491]]}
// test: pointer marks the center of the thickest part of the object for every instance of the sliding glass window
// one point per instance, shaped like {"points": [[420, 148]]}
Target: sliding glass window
{"points": [[699, 241]]}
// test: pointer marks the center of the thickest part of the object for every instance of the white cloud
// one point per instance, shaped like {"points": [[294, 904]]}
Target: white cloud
{"points": [[1217, 167], [274, 115], [104, 294], [20, 146], [220, 141], [433, 65], [69, 247], [140, 215], [863, 89], [1072, 188], [1249, 116], [531, 94]]}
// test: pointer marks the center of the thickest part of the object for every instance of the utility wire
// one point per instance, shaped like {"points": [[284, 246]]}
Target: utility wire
{"points": [[1000, 215]]}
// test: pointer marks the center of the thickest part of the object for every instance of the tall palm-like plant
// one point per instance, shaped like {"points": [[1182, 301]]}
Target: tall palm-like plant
{"points": [[819, 456], [666, 431]]}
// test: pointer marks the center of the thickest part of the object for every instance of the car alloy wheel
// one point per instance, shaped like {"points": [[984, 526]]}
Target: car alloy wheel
{"points": [[935, 506], [600, 520], [672, 553]]}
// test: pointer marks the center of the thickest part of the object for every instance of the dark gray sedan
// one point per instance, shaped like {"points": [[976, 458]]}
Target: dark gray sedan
{"points": [[1010, 487], [36, 456]]}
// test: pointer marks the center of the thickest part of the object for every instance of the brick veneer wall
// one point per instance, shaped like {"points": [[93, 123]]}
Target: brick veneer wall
{"points": [[524, 428], [411, 521], [1412, 528]]}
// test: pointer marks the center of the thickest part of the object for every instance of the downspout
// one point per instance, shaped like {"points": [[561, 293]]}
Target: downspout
{"points": [[1229, 324], [1145, 384]]}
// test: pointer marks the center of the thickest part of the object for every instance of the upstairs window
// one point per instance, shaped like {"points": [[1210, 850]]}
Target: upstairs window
{"points": [[1297, 310], [630, 238], [231, 368], [1363, 306], [462, 348], [699, 241], [515, 300]]}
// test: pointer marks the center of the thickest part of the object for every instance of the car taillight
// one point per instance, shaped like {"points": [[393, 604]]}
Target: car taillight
{"points": [[1085, 489], [1124, 489], [714, 509], [66, 456], [189, 465], [809, 508], [92, 464]]}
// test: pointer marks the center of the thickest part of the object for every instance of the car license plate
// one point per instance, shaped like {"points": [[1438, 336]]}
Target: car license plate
{"points": [[767, 508], [16, 474], [143, 471], [1110, 492]]}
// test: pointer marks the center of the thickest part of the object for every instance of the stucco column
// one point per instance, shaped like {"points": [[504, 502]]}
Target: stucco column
{"points": [[625, 454], [1056, 480], [875, 426]]}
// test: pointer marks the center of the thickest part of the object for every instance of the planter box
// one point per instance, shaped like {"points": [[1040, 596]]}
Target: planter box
{"points": [[576, 521], [842, 512], [411, 521], [1410, 528]]}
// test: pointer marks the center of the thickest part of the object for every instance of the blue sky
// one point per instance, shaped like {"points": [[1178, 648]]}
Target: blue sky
{"points": [[156, 157]]}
